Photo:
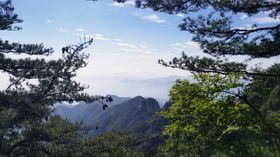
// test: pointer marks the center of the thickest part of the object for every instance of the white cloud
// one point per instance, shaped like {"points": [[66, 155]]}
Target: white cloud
{"points": [[263, 20], [94, 36], [243, 17], [127, 45], [49, 21], [130, 86], [143, 46], [99, 37], [117, 39], [185, 45], [121, 5], [180, 15], [80, 30], [137, 50], [124, 46], [130, 2], [153, 18], [62, 30], [116, 4]]}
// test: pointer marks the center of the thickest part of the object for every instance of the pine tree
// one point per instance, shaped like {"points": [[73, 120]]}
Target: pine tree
{"points": [[27, 126], [214, 28]]}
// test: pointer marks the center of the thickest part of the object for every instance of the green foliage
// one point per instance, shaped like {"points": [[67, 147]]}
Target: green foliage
{"points": [[56, 137], [209, 117], [218, 115], [61, 138], [112, 144], [263, 90]]}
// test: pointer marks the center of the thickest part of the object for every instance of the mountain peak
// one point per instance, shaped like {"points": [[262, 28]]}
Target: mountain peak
{"points": [[124, 114], [138, 98]]}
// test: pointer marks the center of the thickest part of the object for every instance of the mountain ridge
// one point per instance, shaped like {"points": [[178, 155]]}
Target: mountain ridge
{"points": [[124, 114]]}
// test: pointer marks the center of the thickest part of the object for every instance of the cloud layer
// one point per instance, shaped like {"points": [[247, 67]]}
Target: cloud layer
{"points": [[153, 18]]}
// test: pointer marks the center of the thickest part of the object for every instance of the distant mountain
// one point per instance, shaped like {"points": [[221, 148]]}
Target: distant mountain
{"points": [[85, 112], [124, 113], [137, 115], [152, 128], [154, 125], [147, 86]]}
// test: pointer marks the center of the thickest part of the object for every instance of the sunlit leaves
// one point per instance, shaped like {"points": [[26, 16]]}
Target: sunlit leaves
{"points": [[209, 116]]}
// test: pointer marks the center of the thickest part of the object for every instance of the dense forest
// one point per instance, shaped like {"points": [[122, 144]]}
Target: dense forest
{"points": [[231, 109]]}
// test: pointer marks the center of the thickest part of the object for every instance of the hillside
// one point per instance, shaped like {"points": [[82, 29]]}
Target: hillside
{"points": [[123, 114]]}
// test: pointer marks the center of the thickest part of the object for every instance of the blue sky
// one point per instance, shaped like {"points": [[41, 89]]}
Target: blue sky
{"points": [[127, 42]]}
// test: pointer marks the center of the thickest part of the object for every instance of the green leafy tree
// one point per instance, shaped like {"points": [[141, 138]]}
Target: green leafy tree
{"points": [[263, 92], [212, 117], [215, 28], [112, 144], [56, 138], [27, 127]]}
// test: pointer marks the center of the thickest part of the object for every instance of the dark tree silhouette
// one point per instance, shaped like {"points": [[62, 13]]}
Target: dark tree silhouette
{"points": [[27, 126], [212, 25]]}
